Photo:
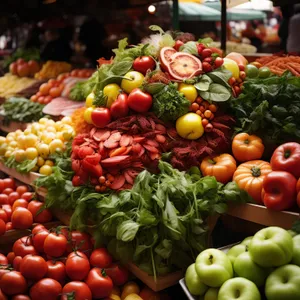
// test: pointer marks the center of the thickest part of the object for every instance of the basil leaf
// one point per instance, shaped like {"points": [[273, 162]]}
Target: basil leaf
{"points": [[203, 84], [220, 76], [189, 47], [127, 230], [216, 93], [122, 67]]}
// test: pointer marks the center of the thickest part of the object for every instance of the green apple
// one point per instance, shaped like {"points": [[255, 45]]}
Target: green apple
{"points": [[235, 251], [247, 241], [271, 247], [193, 283], [284, 283], [213, 267], [245, 267], [296, 253], [211, 294], [239, 288]]}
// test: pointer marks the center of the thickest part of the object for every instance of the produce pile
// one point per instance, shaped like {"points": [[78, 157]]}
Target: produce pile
{"points": [[266, 264], [22, 68]]}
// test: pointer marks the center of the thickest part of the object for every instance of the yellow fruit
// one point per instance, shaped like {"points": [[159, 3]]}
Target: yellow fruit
{"points": [[20, 155], [40, 161], [9, 139], [68, 134], [89, 100], [113, 297], [51, 129], [35, 169], [8, 153], [232, 66], [27, 131], [67, 120], [11, 135], [30, 140], [111, 91], [43, 121], [59, 135], [13, 144], [35, 128], [190, 126], [21, 141], [31, 153], [18, 132], [48, 137], [130, 288], [49, 162], [58, 125], [135, 80], [3, 148], [88, 115], [50, 122], [133, 297], [189, 91], [2, 140], [45, 170], [55, 145], [43, 150]]}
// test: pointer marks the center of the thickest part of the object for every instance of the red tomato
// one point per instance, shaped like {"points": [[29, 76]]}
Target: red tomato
{"points": [[55, 91], [12, 197], [44, 89], [65, 231], [21, 218], [21, 297], [40, 99], [2, 227], [21, 189], [55, 245], [62, 76], [1, 185], [99, 283], [13, 283], [3, 215], [100, 117], [8, 210], [148, 294], [37, 228], [139, 101], [8, 226], [3, 259], [20, 203], [56, 270], [117, 273], [10, 257], [33, 267], [100, 258], [44, 216], [119, 108], [47, 99], [8, 191], [13, 68], [9, 183], [2, 296], [27, 196], [3, 270], [23, 70], [45, 289], [20, 61], [74, 73], [33, 66], [80, 289], [17, 263], [143, 64], [77, 266], [38, 239], [3, 199], [79, 241], [24, 246]]}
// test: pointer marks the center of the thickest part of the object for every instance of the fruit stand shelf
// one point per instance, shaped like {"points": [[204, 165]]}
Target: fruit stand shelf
{"points": [[261, 215]]}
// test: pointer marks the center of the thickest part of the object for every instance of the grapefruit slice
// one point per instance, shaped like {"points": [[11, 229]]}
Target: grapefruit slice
{"points": [[165, 56], [184, 66]]}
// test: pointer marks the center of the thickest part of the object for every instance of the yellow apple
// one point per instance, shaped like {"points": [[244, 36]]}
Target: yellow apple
{"points": [[190, 126], [232, 66], [135, 80]]}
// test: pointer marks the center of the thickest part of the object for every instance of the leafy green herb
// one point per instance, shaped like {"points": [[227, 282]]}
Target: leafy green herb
{"points": [[216, 93], [204, 83], [205, 41], [220, 76], [190, 47], [23, 167]]}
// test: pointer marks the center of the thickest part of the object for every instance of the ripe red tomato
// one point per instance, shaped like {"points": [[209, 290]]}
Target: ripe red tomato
{"points": [[13, 68], [117, 273], [56, 270], [21, 218], [21, 297], [8, 226], [101, 258], [44, 216], [33, 267], [1, 185], [148, 294], [17, 262], [21, 189], [10, 257], [101, 117], [99, 283], [139, 101], [2, 227], [38, 239], [9, 183], [2, 296], [80, 289], [27, 196], [8, 191], [3, 259], [119, 107], [143, 64], [19, 203], [77, 266], [3, 215], [12, 197], [45, 289], [23, 70], [24, 246], [3, 199], [37, 228], [33, 67], [8, 210], [13, 283], [79, 241], [20, 61], [55, 245], [3, 270]]}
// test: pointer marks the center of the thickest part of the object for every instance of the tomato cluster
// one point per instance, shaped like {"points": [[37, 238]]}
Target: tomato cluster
{"points": [[22, 68], [18, 209], [237, 84]]}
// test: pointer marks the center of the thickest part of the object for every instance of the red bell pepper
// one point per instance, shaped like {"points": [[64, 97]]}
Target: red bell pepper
{"points": [[287, 158], [279, 190]]}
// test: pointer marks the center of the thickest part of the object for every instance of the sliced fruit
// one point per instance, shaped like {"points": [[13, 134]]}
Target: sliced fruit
{"points": [[165, 56], [184, 66]]}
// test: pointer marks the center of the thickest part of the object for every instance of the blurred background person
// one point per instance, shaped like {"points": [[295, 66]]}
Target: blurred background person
{"points": [[293, 40]]}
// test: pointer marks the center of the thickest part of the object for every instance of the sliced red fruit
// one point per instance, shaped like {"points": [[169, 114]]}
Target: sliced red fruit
{"points": [[184, 66], [165, 56]]}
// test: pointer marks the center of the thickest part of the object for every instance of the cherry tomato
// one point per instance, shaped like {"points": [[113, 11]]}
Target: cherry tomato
{"points": [[99, 283], [56, 270], [8, 226], [17, 262], [37, 228], [44, 216], [45, 88], [3, 215], [21, 297], [206, 67], [80, 289], [21, 218], [27, 196], [117, 273], [100, 117], [100, 258], [20, 203], [206, 53], [41, 99], [2, 227], [33, 267], [13, 283], [10, 257], [9, 183], [77, 266], [3, 199], [8, 191], [21, 189], [139, 101], [218, 62], [3, 270], [79, 241], [47, 99], [45, 289], [74, 73], [8, 210], [143, 64], [55, 245], [24, 246], [3, 259], [55, 91], [33, 67], [148, 294], [38, 239], [12, 197]]}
